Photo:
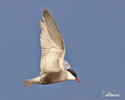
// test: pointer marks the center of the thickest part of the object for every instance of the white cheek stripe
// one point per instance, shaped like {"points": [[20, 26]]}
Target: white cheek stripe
{"points": [[70, 76]]}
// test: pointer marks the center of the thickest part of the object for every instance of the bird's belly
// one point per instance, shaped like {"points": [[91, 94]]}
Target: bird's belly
{"points": [[54, 77]]}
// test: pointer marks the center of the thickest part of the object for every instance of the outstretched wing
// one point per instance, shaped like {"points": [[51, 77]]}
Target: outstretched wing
{"points": [[53, 49]]}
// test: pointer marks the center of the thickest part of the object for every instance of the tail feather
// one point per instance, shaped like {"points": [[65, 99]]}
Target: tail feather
{"points": [[27, 83], [31, 81]]}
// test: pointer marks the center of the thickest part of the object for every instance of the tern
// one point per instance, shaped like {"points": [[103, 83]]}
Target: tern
{"points": [[54, 68]]}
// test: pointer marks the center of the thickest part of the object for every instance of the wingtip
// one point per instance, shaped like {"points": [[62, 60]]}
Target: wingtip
{"points": [[45, 10], [45, 14]]}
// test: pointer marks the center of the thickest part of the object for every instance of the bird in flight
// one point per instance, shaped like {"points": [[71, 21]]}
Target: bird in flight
{"points": [[54, 68]]}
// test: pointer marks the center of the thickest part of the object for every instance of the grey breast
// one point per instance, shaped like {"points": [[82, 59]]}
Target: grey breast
{"points": [[51, 77]]}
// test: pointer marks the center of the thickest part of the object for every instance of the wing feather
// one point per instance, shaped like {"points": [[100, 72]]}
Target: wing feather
{"points": [[53, 48], [52, 29]]}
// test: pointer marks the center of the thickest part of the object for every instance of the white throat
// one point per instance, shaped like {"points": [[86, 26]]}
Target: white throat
{"points": [[70, 76]]}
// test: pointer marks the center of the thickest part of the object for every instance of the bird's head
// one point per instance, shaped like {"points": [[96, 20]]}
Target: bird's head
{"points": [[72, 75]]}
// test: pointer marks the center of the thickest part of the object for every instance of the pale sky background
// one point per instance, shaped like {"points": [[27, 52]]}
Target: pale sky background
{"points": [[94, 35]]}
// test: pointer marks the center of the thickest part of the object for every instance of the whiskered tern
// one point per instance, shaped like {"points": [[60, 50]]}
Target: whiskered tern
{"points": [[54, 68]]}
